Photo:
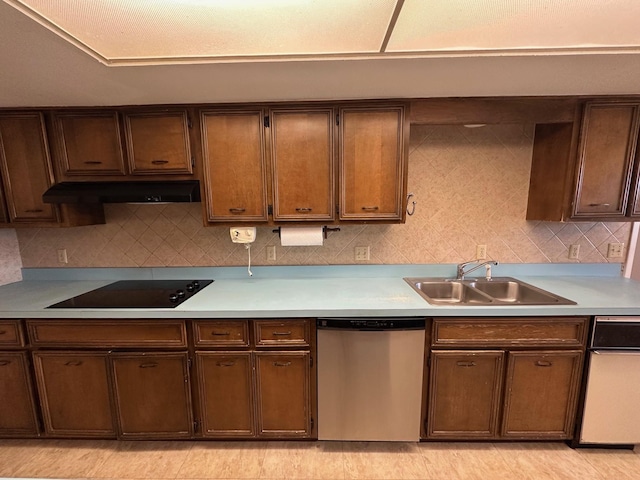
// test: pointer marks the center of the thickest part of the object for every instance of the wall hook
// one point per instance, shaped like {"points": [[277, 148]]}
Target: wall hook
{"points": [[413, 205]]}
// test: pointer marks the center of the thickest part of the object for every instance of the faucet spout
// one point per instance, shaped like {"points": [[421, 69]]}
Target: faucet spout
{"points": [[461, 272]]}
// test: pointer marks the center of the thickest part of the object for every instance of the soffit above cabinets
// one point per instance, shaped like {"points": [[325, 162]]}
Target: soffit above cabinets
{"points": [[129, 32]]}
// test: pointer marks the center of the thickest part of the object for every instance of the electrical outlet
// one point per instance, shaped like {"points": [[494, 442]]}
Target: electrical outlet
{"points": [[574, 251], [481, 252], [615, 250], [362, 254], [62, 256], [271, 253]]}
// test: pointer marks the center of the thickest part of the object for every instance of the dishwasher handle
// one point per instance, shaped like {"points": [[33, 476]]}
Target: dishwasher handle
{"points": [[371, 323]]}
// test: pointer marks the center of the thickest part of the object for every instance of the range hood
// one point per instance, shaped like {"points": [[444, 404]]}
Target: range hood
{"points": [[123, 192]]}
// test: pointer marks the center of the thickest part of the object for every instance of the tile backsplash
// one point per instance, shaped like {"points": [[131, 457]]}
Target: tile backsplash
{"points": [[470, 185], [10, 263]]}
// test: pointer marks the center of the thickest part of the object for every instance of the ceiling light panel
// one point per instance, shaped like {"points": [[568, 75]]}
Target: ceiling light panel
{"points": [[468, 25], [156, 29]]}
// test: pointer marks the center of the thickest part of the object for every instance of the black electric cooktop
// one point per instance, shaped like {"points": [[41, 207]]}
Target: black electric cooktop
{"points": [[137, 294]]}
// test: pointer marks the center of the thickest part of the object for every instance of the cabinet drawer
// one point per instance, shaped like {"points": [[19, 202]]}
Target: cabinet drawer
{"points": [[294, 333], [497, 332], [107, 333], [221, 333], [11, 334]]}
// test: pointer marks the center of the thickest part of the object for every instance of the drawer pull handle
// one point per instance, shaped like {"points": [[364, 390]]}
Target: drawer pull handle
{"points": [[544, 363], [466, 364], [221, 334], [281, 364], [225, 364], [370, 209], [149, 365], [237, 210], [159, 162], [35, 210], [4, 363], [73, 363], [599, 204], [281, 333], [303, 209], [92, 162], [3, 332]]}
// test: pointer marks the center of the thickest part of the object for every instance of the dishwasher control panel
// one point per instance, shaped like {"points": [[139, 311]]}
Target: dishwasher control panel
{"points": [[398, 323]]}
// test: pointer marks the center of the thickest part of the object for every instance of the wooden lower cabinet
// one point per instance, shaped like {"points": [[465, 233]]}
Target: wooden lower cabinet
{"points": [[225, 381], [473, 395], [283, 393], [74, 393], [152, 394], [541, 391], [17, 407], [465, 393]]}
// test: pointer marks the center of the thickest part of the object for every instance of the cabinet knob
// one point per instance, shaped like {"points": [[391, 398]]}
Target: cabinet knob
{"points": [[4, 363], [34, 210], [92, 162], [237, 210], [304, 209], [373, 208], [3, 332], [159, 162], [281, 364], [466, 364], [148, 365], [544, 363], [281, 333], [599, 204], [73, 363], [221, 334], [225, 364]]}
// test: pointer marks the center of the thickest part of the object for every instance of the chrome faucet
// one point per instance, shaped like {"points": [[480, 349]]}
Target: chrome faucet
{"points": [[461, 267]]}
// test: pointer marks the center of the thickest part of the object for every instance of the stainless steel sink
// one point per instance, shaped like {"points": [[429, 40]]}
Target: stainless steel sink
{"points": [[496, 291]]}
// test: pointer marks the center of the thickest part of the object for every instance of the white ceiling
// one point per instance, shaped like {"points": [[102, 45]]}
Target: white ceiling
{"points": [[117, 52]]}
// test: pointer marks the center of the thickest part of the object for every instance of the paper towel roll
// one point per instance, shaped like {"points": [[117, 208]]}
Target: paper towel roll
{"points": [[301, 236]]}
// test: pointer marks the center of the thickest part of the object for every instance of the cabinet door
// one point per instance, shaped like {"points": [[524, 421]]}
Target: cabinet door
{"points": [[152, 395], [17, 408], [25, 167], [158, 143], [283, 394], [74, 393], [234, 165], [465, 393], [225, 385], [373, 162], [89, 144], [541, 394], [607, 147], [302, 155]]}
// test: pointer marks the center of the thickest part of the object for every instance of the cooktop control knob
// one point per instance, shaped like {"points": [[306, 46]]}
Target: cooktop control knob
{"points": [[180, 293], [190, 287], [173, 298], [196, 284]]}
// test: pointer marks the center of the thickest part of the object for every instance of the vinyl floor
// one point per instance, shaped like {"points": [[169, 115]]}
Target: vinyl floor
{"points": [[107, 459]]}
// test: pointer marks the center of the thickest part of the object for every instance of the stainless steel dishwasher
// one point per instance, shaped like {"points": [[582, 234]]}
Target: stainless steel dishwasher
{"points": [[612, 399], [370, 378]]}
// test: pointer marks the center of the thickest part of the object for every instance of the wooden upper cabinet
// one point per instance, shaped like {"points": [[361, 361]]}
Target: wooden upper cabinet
{"points": [[607, 149], [373, 163], [88, 144], [588, 169], [158, 142], [25, 167], [302, 158], [235, 173]]}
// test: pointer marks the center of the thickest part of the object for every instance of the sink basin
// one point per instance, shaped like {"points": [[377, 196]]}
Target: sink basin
{"points": [[450, 292], [494, 292]]}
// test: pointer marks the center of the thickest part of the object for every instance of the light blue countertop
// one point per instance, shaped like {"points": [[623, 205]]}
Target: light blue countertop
{"points": [[314, 291]]}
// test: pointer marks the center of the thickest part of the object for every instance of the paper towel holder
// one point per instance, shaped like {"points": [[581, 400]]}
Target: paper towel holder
{"points": [[324, 230]]}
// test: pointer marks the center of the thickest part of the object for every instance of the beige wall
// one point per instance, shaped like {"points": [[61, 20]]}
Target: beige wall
{"points": [[471, 188], [10, 263]]}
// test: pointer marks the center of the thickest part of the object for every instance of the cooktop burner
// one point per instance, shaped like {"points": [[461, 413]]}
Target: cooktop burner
{"points": [[137, 294]]}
